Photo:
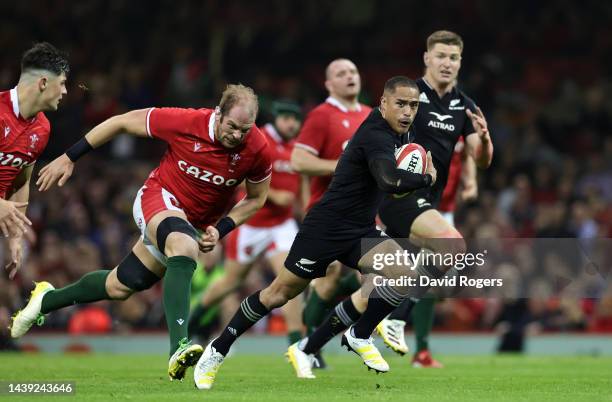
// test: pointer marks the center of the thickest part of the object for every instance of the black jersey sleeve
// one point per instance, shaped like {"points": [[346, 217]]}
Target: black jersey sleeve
{"points": [[390, 179]]}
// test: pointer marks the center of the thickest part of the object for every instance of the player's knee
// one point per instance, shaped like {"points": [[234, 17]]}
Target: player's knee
{"points": [[175, 236], [132, 276], [179, 244], [115, 289], [117, 292], [449, 241], [456, 242]]}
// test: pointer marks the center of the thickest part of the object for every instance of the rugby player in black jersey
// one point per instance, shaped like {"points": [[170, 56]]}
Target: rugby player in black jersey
{"points": [[334, 228], [445, 114]]}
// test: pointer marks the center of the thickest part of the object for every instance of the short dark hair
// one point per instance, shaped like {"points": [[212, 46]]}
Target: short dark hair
{"points": [[399, 81], [445, 37], [45, 56]]}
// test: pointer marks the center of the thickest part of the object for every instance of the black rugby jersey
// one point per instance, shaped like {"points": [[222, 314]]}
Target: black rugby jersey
{"points": [[437, 127], [348, 208]]}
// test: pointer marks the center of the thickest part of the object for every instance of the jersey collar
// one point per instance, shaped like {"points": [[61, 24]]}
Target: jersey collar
{"points": [[211, 127], [15, 101], [451, 92], [273, 133], [335, 102]]}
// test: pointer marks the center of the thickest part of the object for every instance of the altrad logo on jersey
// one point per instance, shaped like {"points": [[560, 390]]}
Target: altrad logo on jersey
{"points": [[439, 122]]}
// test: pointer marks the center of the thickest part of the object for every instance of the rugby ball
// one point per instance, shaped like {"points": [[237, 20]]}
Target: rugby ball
{"points": [[411, 157]]}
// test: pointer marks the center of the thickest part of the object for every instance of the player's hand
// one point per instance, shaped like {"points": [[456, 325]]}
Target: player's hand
{"points": [[431, 169], [13, 222], [480, 124], [209, 239], [58, 171], [15, 245]]}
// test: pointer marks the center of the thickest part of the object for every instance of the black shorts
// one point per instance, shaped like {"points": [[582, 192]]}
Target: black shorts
{"points": [[398, 214], [310, 256]]}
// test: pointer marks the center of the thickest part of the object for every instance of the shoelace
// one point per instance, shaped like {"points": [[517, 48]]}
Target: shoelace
{"points": [[40, 320], [216, 359]]}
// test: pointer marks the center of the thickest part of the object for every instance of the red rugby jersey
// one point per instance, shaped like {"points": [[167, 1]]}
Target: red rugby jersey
{"points": [[325, 133], [200, 172], [449, 196], [21, 141], [283, 178]]}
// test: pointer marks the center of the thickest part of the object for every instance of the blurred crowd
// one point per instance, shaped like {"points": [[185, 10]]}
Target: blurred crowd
{"points": [[541, 80]]}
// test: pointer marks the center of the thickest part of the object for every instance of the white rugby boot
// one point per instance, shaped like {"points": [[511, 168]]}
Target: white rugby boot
{"points": [[302, 363], [366, 349], [392, 333], [205, 371]]}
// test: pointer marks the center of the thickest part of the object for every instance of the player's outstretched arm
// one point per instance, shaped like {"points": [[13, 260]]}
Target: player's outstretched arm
{"points": [[469, 182], [307, 163], [480, 146], [19, 196], [60, 170]]}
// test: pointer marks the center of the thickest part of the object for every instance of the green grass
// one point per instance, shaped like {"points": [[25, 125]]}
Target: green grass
{"points": [[269, 378]]}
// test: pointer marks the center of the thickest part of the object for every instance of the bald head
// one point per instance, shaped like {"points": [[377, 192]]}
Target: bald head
{"points": [[238, 94], [342, 80]]}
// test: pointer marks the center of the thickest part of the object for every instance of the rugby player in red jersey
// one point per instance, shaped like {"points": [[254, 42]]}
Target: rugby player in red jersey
{"points": [[327, 129], [268, 233], [210, 151], [24, 135]]}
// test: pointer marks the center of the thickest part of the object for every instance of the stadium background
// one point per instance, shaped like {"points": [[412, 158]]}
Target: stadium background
{"points": [[540, 72]]}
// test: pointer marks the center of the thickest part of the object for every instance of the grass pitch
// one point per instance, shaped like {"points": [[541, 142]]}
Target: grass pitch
{"points": [[270, 378]]}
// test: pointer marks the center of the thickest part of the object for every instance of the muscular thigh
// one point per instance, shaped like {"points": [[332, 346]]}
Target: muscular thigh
{"points": [[430, 228]]}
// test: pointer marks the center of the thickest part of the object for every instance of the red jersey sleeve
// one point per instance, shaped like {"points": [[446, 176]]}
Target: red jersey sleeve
{"points": [[262, 169], [167, 122], [314, 132]]}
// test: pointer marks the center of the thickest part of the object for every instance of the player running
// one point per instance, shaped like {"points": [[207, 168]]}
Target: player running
{"points": [[24, 135], [271, 230], [209, 153], [461, 175], [445, 114], [334, 229], [326, 132]]}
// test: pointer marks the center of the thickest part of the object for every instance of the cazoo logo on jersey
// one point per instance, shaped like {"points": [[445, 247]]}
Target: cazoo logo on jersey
{"points": [[205, 175], [11, 160]]}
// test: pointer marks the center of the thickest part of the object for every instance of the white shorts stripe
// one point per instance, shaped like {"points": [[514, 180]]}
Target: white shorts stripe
{"points": [[167, 200]]}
